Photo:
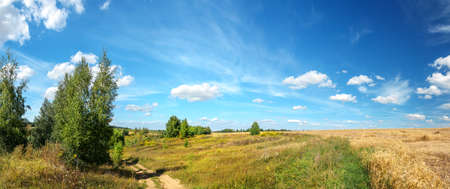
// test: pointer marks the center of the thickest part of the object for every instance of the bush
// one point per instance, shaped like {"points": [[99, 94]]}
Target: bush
{"points": [[116, 154], [173, 127], [255, 130], [199, 130]]}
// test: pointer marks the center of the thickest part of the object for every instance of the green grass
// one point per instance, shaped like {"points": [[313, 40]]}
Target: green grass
{"points": [[275, 160]]}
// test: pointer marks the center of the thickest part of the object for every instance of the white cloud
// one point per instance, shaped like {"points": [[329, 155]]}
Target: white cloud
{"points": [[24, 72], [77, 4], [344, 71], [439, 29], [299, 107], [125, 81], [299, 122], [429, 121], [105, 5], [309, 78], [193, 93], [379, 77], [358, 80], [415, 116], [209, 120], [13, 25], [89, 57], [394, 92], [15, 18], [445, 106], [344, 98], [428, 92], [362, 89], [147, 108], [58, 72], [258, 100], [440, 80], [445, 118], [50, 93], [442, 62]]}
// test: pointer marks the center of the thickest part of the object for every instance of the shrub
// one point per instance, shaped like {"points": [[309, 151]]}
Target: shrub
{"points": [[173, 127], [255, 130], [116, 154]]}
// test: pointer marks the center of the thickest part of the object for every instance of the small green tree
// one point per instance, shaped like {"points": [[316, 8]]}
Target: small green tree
{"points": [[12, 105], [173, 127], [255, 130], [44, 122], [116, 154], [184, 129]]}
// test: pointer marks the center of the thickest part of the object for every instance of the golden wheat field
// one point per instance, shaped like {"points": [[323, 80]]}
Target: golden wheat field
{"points": [[408, 156]]}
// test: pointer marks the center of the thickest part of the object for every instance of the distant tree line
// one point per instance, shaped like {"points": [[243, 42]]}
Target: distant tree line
{"points": [[78, 118], [181, 129]]}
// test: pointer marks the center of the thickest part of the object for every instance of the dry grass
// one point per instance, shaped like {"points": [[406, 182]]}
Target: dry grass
{"points": [[402, 158], [28, 168], [271, 160]]}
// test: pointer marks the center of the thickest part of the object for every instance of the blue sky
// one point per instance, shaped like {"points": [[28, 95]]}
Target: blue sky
{"points": [[286, 64]]}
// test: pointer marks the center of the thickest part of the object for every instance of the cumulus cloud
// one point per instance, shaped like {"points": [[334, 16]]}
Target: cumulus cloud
{"points": [[125, 80], [445, 106], [299, 107], [147, 108], [258, 100], [59, 70], [394, 92], [105, 5], [415, 116], [24, 72], [440, 80], [50, 93], [379, 77], [309, 78], [13, 25], [428, 92], [193, 93], [442, 62], [15, 17], [445, 118], [359, 80], [344, 98], [89, 57], [299, 122]]}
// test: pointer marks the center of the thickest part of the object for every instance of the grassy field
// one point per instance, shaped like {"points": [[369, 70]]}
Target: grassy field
{"points": [[271, 160], [43, 169], [405, 158], [397, 158]]}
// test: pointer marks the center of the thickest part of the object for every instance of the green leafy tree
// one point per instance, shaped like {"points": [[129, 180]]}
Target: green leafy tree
{"points": [[44, 122], [184, 129], [173, 127], [255, 130], [12, 105], [102, 96], [83, 114], [116, 154]]}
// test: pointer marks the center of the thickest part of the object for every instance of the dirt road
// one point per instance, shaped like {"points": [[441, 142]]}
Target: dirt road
{"points": [[145, 175]]}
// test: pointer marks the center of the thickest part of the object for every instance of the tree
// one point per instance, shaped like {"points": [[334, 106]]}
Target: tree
{"points": [[12, 105], [255, 130], [184, 129], [173, 127], [83, 113], [43, 125]]}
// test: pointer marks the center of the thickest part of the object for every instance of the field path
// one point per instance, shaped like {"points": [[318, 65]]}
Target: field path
{"points": [[145, 175]]}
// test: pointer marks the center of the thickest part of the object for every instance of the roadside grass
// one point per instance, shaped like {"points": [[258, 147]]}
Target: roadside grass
{"points": [[29, 168], [272, 160]]}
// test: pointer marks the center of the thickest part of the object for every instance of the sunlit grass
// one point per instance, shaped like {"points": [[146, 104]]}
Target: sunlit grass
{"points": [[271, 160]]}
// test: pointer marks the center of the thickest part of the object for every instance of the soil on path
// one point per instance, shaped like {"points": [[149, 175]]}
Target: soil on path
{"points": [[146, 176]]}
